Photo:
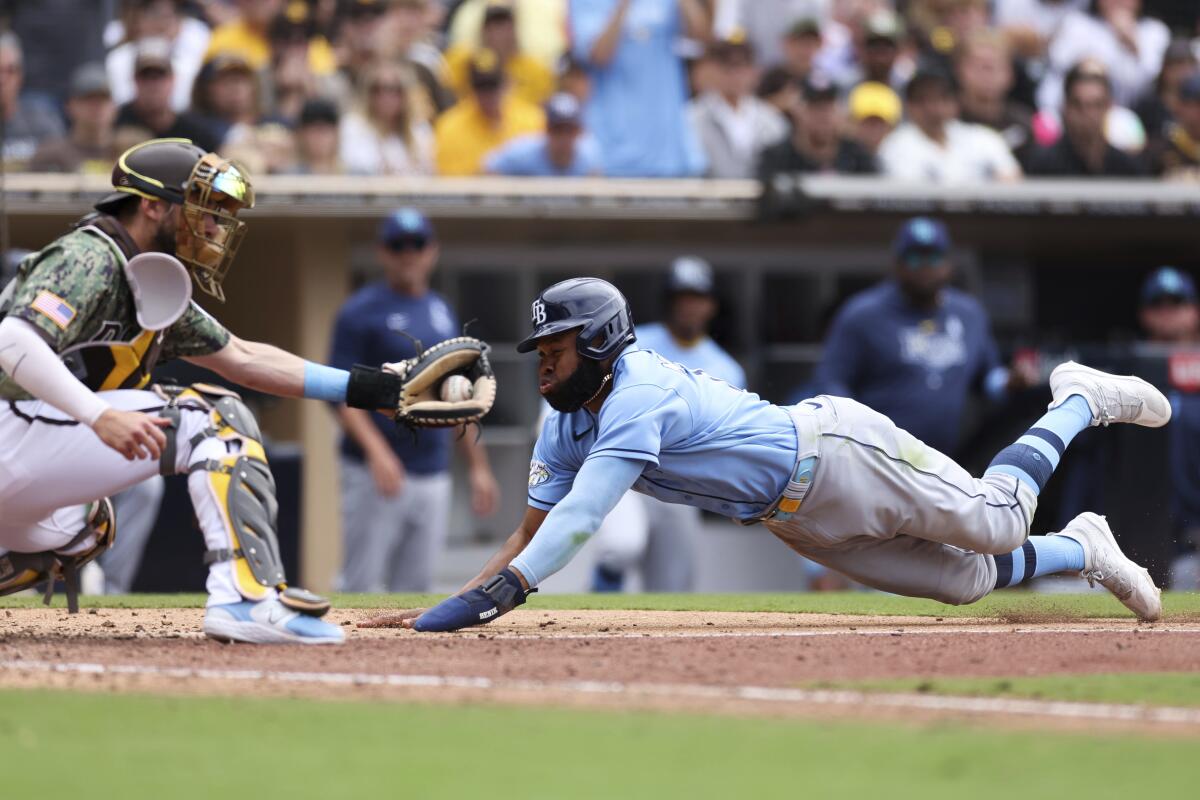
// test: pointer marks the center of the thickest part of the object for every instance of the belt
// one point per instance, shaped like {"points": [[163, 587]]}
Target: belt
{"points": [[801, 478]]}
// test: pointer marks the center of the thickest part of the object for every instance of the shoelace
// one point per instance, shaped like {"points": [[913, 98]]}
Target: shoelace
{"points": [[1132, 408]]}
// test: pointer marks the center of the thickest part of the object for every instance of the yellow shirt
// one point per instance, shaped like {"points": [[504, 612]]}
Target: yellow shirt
{"points": [[237, 37], [528, 78], [464, 136]]}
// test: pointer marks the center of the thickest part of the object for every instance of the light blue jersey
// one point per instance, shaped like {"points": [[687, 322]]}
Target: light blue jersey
{"points": [[704, 443], [706, 355]]}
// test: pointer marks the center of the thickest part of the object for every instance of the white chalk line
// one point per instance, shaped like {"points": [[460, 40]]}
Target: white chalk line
{"points": [[1109, 712], [547, 635]]}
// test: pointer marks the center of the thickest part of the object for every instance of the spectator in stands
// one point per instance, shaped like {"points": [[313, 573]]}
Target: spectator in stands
{"points": [[1129, 45], [404, 34], [934, 147], [158, 19], [800, 47], [1170, 317], [528, 78], [387, 133], [875, 111], [734, 126], [227, 95], [88, 145], [59, 36], [913, 347], [816, 143], [564, 150], [151, 108], [292, 84], [317, 146], [249, 34], [639, 86], [484, 120], [1177, 155], [357, 45], [878, 53], [573, 79], [984, 74], [1083, 150], [777, 88], [396, 489], [26, 125], [1157, 107], [541, 27], [1030, 25], [762, 21]]}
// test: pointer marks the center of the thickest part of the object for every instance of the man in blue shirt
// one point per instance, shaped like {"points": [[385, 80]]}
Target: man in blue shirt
{"points": [[914, 348], [564, 150], [395, 487], [834, 480], [659, 538], [637, 109]]}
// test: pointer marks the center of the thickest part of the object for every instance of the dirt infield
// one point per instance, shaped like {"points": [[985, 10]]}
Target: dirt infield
{"points": [[758, 663]]}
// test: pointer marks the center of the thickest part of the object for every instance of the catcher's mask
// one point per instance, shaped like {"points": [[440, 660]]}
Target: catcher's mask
{"points": [[211, 191]]}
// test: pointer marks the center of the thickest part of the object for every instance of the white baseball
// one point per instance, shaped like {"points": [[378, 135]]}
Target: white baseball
{"points": [[456, 388]]}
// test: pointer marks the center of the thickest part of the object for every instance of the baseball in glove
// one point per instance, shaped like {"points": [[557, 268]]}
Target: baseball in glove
{"points": [[411, 393]]}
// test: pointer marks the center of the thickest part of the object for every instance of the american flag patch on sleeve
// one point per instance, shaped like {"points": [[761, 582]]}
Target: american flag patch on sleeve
{"points": [[53, 307]]}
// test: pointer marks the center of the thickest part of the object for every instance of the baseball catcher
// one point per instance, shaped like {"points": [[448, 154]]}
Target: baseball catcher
{"points": [[81, 327], [834, 480]]}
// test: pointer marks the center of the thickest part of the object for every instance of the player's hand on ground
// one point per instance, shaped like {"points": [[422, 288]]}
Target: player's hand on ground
{"points": [[485, 492], [494, 598], [401, 619], [387, 472], [131, 433]]}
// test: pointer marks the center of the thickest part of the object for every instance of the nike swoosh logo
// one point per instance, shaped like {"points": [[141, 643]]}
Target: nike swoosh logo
{"points": [[579, 436], [813, 403]]}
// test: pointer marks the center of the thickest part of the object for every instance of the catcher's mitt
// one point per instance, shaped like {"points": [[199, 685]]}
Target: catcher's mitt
{"points": [[420, 404]]}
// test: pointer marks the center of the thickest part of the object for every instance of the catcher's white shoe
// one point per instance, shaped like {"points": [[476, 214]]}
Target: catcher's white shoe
{"points": [[1112, 398], [267, 622], [1104, 563]]}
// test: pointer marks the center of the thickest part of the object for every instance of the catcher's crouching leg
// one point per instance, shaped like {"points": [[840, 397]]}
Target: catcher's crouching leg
{"points": [[234, 495], [20, 571]]}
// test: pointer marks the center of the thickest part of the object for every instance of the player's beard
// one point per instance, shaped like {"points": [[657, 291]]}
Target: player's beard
{"points": [[582, 385], [166, 232]]}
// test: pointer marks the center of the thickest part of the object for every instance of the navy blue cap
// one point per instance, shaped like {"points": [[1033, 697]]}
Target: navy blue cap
{"points": [[1168, 282], [563, 109], [403, 224], [921, 234], [690, 274]]}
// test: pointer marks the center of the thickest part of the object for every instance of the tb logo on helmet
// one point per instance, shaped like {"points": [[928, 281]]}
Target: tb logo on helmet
{"points": [[539, 312]]}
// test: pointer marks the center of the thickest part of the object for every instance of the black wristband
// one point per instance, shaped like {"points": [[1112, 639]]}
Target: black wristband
{"points": [[373, 388]]}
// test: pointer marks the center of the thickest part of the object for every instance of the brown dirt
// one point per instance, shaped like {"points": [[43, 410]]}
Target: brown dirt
{"points": [[675, 660]]}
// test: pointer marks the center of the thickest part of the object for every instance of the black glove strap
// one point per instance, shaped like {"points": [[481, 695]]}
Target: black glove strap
{"points": [[506, 590], [373, 388]]}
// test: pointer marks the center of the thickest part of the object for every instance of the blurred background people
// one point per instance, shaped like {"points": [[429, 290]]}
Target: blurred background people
{"points": [[913, 347], [564, 150], [875, 110], [151, 109], [540, 26], [387, 133], [639, 84], [733, 124], [248, 33], [933, 146], [156, 19], [642, 533], [487, 118], [318, 150], [88, 145], [1177, 155], [528, 77], [816, 143], [983, 70], [1083, 149], [26, 124], [396, 489], [801, 44]]}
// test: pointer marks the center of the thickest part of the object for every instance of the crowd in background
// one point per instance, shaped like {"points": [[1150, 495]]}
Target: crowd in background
{"points": [[937, 91]]}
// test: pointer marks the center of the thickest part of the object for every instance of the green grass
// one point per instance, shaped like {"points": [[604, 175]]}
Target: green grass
{"points": [[133, 746], [1018, 605], [1156, 688]]}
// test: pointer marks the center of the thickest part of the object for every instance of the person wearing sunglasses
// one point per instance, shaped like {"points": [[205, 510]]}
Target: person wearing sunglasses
{"points": [[915, 348], [396, 489]]}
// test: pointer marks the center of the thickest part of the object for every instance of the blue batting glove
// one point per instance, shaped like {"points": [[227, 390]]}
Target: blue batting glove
{"points": [[496, 597]]}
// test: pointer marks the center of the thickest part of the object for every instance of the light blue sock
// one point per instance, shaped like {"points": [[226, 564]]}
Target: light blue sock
{"points": [[1033, 458], [1040, 555]]}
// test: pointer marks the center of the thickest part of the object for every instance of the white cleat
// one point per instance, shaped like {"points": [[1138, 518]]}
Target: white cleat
{"points": [[1112, 398], [267, 622], [1104, 563]]}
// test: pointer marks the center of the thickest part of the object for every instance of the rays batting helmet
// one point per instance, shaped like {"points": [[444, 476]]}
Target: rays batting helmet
{"points": [[595, 307]]}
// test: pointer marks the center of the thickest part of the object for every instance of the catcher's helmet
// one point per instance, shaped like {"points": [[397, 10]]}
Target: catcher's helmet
{"points": [[211, 190], [594, 306]]}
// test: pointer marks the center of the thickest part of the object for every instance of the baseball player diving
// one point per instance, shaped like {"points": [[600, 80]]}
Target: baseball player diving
{"points": [[836, 481], [81, 327]]}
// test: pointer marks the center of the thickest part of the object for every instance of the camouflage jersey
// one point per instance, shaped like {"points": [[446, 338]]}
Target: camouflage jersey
{"points": [[75, 293]]}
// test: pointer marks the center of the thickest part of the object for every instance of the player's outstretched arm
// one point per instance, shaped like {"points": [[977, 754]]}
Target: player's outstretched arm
{"points": [[600, 483]]}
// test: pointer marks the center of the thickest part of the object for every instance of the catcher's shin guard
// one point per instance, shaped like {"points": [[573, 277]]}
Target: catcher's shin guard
{"points": [[245, 492], [20, 571]]}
